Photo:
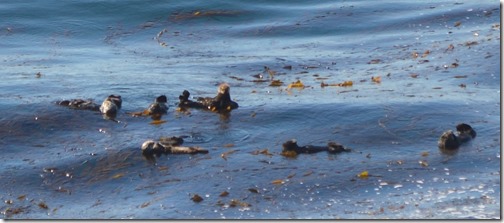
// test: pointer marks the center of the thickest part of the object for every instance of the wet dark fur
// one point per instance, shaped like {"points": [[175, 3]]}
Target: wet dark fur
{"points": [[331, 147]]}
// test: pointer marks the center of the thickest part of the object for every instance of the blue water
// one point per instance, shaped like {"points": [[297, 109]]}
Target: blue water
{"points": [[64, 164]]}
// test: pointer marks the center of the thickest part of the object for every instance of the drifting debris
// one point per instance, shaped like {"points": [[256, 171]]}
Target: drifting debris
{"points": [[117, 176], [471, 43], [196, 198], [209, 13], [426, 53], [253, 190], [270, 72], [457, 24], [263, 151], [363, 174], [376, 79], [414, 55], [374, 61], [276, 83], [229, 145], [224, 194], [297, 84], [450, 48], [343, 84], [225, 154], [43, 205], [158, 38], [234, 203], [276, 182], [287, 67]]}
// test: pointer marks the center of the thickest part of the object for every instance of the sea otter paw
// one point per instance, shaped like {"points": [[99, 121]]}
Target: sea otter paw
{"points": [[334, 147]]}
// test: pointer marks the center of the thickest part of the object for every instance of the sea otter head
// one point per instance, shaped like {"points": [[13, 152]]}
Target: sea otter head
{"points": [[223, 88], [161, 99], [116, 99], [465, 129], [448, 142], [290, 145]]}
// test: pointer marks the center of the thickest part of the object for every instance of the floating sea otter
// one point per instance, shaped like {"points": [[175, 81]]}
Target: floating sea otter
{"points": [[449, 142], [169, 145], [291, 148], [108, 108], [220, 103], [80, 104], [156, 109]]}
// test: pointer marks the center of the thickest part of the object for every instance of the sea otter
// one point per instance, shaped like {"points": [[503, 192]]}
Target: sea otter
{"points": [[449, 142], [156, 110], [171, 145], [185, 102], [80, 104], [220, 103], [110, 106], [332, 147]]}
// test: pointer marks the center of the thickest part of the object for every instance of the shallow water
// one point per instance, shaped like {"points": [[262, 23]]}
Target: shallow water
{"points": [[63, 163]]}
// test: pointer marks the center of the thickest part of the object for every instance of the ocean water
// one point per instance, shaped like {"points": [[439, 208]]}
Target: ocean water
{"points": [[438, 64]]}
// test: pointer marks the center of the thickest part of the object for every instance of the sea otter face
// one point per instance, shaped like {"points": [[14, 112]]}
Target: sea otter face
{"points": [[151, 145], [448, 142], [290, 145], [109, 108], [223, 88]]}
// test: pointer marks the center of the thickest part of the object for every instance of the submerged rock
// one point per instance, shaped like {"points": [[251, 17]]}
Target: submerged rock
{"points": [[332, 147], [449, 142]]}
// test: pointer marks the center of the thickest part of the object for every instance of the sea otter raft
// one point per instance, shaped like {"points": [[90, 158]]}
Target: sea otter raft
{"points": [[449, 142]]}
